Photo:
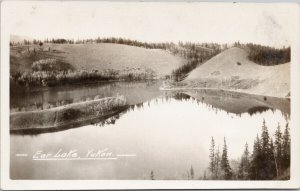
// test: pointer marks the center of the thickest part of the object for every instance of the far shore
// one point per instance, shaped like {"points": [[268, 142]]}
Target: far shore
{"points": [[220, 89]]}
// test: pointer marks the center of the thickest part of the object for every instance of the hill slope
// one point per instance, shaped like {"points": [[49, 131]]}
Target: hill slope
{"points": [[19, 39], [232, 70], [97, 57]]}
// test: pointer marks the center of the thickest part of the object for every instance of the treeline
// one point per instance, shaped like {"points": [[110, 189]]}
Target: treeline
{"points": [[269, 56], [266, 55], [26, 42], [195, 54], [113, 40], [49, 72], [269, 160], [59, 41]]}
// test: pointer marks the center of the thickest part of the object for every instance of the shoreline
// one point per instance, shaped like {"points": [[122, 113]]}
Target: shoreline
{"points": [[219, 89], [66, 126], [64, 106], [44, 88], [67, 115]]}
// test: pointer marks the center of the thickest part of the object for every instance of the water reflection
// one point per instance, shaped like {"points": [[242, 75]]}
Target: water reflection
{"points": [[134, 92], [258, 109], [229, 102], [168, 135], [240, 103]]}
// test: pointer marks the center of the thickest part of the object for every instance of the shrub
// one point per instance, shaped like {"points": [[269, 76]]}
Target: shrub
{"points": [[44, 65]]}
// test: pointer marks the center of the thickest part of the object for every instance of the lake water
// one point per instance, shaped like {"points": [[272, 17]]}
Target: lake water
{"points": [[163, 132]]}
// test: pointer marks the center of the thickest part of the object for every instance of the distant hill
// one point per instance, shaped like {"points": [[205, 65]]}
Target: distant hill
{"points": [[232, 70], [19, 39], [100, 56]]}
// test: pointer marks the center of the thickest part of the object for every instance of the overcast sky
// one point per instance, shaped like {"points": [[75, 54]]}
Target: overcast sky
{"points": [[267, 24]]}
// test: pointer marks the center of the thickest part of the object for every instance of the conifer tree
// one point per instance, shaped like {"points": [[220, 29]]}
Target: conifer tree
{"points": [[272, 165], [152, 175], [212, 157], [265, 153], [286, 148], [255, 164], [278, 150], [217, 168], [244, 168], [264, 138], [192, 173], [225, 167]]}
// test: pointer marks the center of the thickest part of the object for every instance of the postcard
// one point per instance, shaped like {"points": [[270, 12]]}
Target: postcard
{"points": [[149, 95]]}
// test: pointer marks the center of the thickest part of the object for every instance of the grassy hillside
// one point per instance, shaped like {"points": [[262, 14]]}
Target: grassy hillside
{"points": [[101, 56], [233, 70]]}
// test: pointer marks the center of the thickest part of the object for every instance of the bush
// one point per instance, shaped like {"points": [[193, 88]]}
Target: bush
{"points": [[44, 65], [50, 64]]}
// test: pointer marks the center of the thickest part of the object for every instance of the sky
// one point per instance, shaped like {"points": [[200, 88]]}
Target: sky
{"points": [[267, 24]]}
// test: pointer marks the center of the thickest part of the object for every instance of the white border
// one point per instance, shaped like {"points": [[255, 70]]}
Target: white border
{"points": [[9, 184]]}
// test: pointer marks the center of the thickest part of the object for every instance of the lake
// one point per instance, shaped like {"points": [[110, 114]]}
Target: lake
{"points": [[162, 132]]}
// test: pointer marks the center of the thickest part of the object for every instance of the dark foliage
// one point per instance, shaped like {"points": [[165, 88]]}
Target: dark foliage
{"points": [[266, 55], [60, 41], [195, 54], [71, 114], [270, 160], [267, 158], [181, 72], [55, 78]]}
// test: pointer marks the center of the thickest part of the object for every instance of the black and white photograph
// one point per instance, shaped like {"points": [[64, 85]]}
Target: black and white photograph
{"points": [[150, 92]]}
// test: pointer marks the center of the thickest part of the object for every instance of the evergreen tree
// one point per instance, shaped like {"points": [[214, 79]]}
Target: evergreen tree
{"points": [[265, 152], [255, 164], [152, 175], [278, 150], [268, 170], [264, 138], [272, 166], [244, 168], [192, 172], [212, 157], [217, 169], [225, 167], [286, 148]]}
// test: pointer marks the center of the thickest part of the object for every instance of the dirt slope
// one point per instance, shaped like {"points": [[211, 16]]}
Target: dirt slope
{"points": [[232, 70]]}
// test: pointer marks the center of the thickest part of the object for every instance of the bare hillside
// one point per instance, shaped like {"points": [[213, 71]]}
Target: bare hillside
{"points": [[98, 57], [232, 70]]}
